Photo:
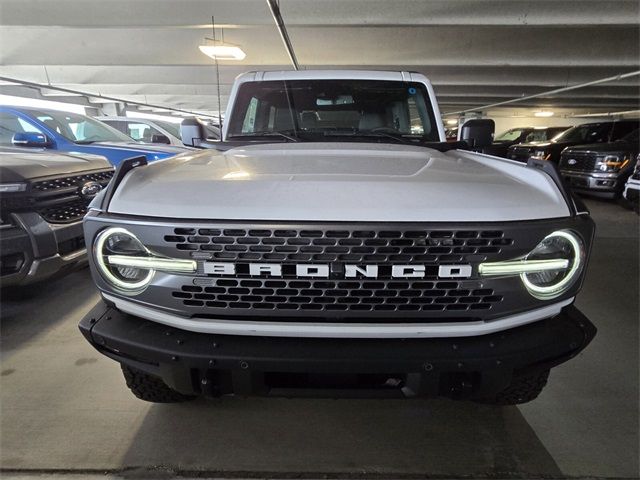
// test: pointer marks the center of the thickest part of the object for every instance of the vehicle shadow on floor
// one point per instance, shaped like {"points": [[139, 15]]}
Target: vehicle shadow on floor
{"points": [[27, 312], [305, 436]]}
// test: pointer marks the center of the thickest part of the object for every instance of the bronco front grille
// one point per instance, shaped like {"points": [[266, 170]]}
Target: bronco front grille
{"points": [[384, 245], [337, 295], [282, 292], [360, 246]]}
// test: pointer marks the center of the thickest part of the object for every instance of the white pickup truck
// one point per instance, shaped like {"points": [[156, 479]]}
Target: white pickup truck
{"points": [[335, 245]]}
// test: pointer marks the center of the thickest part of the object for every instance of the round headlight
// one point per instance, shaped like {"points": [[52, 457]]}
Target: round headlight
{"points": [[118, 241], [560, 245]]}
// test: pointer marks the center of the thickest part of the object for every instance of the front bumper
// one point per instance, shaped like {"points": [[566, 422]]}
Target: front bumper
{"points": [[607, 185], [632, 190], [34, 250], [208, 364]]}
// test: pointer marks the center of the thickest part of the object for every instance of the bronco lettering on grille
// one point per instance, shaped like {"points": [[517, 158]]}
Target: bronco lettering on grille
{"points": [[308, 270]]}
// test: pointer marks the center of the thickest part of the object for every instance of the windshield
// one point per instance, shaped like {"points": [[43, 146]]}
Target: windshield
{"points": [[510, 135], [588, 133], [172, 128], [10, 124], [318, 109], [80, 128]]}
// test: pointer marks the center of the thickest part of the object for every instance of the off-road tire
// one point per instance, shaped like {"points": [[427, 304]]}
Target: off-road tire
{"points": [[522, 389], [151, 389]]}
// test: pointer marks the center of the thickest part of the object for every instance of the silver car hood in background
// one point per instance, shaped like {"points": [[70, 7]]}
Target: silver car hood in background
{"points": [[339, 182]]}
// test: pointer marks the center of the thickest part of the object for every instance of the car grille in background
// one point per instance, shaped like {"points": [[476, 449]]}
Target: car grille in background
{"points": [[337, 295], [68, 212], [72, 181], [578, 161], [58, 200], [359, 246]]}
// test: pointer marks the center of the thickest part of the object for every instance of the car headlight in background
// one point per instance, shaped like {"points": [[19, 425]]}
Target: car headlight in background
{"points": [[127, 264], [12, 187], [549, 269], [636, 170], [612, 163], [540, 155]]}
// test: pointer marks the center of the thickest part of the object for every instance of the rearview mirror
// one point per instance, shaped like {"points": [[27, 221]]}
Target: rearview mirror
{"points": [[478, 133], [30, 139], [160, 139]]}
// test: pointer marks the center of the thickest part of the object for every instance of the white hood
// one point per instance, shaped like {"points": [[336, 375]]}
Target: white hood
{"points": [[339, 182]]}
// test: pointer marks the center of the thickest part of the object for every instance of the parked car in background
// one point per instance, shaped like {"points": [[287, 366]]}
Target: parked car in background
{"points": [[73, 132], [587, 133], [632, 188], [145, 130], [43, 197], [600, 169], [451, 134], [514, 136]]}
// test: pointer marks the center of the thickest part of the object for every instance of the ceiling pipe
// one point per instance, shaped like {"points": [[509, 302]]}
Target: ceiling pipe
{"points": [[606, 114], [548, 93], [72, 92], [277, 17]]}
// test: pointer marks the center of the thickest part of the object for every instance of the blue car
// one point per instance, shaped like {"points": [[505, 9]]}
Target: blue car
{"points": [[72, 132]]}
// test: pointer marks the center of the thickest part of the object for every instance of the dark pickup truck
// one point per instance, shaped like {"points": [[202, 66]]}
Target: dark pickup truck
{"points": [[587, 133], [43, 198], [514, 136], [600, 169]]}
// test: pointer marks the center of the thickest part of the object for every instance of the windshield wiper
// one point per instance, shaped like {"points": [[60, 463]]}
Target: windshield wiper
{"points": [[364, 134], [284, 135]]}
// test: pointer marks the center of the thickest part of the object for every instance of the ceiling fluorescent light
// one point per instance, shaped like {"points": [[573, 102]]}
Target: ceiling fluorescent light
{"points": [[151, 116], [37, 103], [543, 113], [223, 52], [46, 92]]}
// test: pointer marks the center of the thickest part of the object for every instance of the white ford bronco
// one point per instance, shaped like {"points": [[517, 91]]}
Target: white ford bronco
{"points": [[333, 244]]}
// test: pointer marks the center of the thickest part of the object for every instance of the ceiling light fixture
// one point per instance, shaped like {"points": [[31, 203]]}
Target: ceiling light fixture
{"points": [[223, 51], [219, 49], [543, 113]]}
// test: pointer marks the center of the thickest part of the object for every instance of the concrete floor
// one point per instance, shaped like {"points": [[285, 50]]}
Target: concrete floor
{"points": [[65, 408]]}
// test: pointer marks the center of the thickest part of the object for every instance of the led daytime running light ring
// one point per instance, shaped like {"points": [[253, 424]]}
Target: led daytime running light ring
{"points": [[553, 290]]}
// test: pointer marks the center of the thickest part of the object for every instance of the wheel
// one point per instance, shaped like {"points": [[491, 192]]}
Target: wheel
{"points": [[522, 389], [150, 388]]}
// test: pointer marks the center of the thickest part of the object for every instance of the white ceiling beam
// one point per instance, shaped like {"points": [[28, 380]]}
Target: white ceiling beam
{"points": [[179, 14], [410, 47]]}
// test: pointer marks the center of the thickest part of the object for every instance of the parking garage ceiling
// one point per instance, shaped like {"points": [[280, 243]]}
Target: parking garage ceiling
{"points": [[475, 52]]}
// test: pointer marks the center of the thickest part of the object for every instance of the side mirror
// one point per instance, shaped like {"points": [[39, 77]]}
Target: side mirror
{"points": [[30, 139], [192, 132], [160, 139], [478, 133]]}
